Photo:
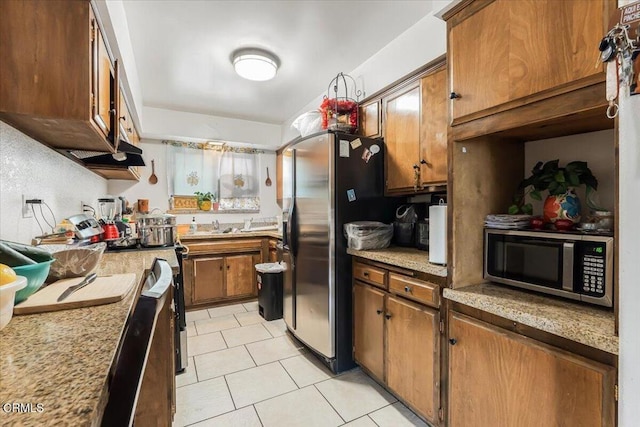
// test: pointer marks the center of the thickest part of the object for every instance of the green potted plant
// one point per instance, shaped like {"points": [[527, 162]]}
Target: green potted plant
{"points": [[204, 200], [562, 202]]}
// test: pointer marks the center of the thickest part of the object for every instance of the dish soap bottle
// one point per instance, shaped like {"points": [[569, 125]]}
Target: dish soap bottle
{"points": [[194, 226]]}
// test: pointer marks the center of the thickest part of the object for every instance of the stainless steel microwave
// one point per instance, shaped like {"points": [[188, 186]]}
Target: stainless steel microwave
{"points": [[574, 266]]}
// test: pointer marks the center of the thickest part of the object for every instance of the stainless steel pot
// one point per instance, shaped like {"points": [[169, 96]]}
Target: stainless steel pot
{"points": [[157, 230]]}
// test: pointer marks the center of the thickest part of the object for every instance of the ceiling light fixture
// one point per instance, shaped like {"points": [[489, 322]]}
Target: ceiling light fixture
{"points": [[255, 64]]}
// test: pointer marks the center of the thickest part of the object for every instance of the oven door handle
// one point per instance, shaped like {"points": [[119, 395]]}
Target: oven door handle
{"points": [[568, 254]]}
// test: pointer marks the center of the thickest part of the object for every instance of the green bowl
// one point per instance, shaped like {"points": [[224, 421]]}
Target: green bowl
{"points": [[36, 274]]}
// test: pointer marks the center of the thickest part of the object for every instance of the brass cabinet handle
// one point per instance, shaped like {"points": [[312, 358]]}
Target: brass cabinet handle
{"points": [[365, 274], [453, 341], [407, 289], [454, 95], [387, 316], [424, 162], [379, 311]]}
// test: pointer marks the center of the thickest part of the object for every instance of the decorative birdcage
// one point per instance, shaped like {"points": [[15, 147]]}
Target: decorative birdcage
{"points": [[340, 110]]}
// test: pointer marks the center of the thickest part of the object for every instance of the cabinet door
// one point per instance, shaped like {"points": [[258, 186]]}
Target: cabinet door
{"points": [[412, 355], [368, 328], [370, 119], [433, 128], [561, 51], [241, 274], [479, 59], [499, 378], [103, 82], [208, 279], [402, 138]]}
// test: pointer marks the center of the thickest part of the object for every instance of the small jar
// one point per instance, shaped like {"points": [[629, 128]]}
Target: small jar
{"points": [[604, 219]]}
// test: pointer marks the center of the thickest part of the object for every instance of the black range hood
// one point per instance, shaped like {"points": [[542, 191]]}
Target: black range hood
{"points": [[126, 156]]}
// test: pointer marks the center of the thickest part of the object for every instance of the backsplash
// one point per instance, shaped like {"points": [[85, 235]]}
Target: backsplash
{"points": [[595, 148], [36, 171]]}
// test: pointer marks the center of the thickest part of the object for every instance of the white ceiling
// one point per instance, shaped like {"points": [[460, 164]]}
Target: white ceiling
{"points": [[182, 50]]}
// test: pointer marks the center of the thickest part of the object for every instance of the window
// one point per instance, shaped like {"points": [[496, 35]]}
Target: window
{"points": [[228, 173]]}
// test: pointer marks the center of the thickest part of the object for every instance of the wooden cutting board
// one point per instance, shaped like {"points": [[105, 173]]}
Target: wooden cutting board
{"points": [[103, 290]]}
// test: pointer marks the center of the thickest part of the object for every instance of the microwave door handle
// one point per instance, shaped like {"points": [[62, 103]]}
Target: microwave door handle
{"points": [[567, 266]]}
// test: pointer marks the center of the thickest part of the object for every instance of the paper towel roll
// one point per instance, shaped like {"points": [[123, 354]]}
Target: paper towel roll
{"points": [[438, 234]]}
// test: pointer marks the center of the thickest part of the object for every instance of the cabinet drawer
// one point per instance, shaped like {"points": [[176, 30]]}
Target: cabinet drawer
{"points": [[369, 274], [418, 290]]}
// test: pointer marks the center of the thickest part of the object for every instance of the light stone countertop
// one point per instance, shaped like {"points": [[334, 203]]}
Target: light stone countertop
{"points": [[586, 324], [411, 258], [204, 235], [61, 360]]}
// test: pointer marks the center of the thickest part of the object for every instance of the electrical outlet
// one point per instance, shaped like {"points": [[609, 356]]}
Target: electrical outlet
{"points": [[26, 209]]}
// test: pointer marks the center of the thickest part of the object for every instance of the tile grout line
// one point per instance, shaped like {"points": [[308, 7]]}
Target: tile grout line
{"points": [[230, 394], [268, 331], [257, 414], [250, 355], [327, 400], [292, 379], [251, 367]]}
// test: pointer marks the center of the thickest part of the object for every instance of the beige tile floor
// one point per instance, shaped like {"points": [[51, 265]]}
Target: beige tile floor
{"points": [[245, 372]]}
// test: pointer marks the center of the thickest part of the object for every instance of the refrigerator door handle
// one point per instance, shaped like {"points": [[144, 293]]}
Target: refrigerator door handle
{"points": [[292, 237]]}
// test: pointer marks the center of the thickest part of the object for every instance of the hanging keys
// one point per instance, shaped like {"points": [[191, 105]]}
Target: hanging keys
{"points": [[617, 50]]}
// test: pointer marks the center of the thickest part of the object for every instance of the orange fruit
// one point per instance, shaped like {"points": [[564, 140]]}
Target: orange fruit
{"points": [[7, 275]]}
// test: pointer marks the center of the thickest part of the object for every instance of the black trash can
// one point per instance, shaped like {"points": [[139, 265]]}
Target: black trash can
{"points": [[269, 282]]}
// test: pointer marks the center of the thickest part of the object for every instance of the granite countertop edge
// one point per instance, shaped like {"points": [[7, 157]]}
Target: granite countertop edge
{"points": [[410, 258], [208, 236], [588, 325], [61, 360]]}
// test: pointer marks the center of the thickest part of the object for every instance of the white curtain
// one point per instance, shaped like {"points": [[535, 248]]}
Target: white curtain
{"points": [[191, 170], [238, 175]]}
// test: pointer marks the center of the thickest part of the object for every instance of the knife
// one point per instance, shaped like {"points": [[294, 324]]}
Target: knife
{"points": [[71, 289]]}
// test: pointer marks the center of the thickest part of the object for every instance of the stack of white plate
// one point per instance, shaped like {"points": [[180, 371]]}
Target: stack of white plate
{"points": [[507, 222]]}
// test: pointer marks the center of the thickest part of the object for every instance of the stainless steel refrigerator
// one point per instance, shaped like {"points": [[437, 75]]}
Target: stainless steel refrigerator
{"points": [[329, 179]]}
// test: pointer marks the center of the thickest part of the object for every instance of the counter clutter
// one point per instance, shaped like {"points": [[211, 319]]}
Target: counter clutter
{"points": [[55, 365]]}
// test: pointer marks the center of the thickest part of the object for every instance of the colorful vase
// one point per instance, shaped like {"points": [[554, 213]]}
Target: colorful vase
{"points": [[562, 206]]}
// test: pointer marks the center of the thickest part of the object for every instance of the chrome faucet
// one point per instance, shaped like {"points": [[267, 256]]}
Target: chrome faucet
{"points": [[216, 224]]}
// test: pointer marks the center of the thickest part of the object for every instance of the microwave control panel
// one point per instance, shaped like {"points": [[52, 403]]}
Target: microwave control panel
{"points": [[591, 277]]}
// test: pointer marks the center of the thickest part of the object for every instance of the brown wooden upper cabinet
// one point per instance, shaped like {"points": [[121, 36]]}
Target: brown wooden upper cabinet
{"points": [[415, 134], [127, 131], [58, 83], [503, 53], [402, 138], [371, 119], [499, 378], [433, 129]]}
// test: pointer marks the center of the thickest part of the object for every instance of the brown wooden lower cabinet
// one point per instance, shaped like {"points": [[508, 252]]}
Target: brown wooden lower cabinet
{"points": [[500, 378], [208, 278], [413, 354], [215, 278], [398, 342], [368, 328], [240, 279]]}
